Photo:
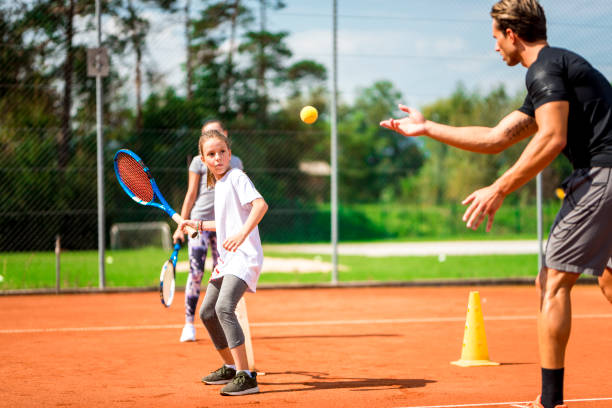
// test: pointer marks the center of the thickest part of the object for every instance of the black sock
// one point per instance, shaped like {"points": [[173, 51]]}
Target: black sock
{"points": [[552, 387]]}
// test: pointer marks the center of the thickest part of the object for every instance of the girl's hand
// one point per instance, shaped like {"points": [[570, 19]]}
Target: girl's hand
{"points": [[257, 212], [178, 236], [188, 223], [232, 243]]}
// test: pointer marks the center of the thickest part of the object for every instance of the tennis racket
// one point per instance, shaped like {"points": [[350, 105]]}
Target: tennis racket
{"points": [[166, 278], [136, 180]]}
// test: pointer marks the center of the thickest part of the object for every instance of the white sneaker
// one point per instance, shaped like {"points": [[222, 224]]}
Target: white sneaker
{"points": [[188, 333]]}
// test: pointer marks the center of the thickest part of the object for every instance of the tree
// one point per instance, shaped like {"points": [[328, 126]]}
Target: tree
{"points": [[189, 59], [239, 16], [52, 24], [134, 28], [372, 161], [450, 174], [304, 75], [204, 39], [267, 52]]}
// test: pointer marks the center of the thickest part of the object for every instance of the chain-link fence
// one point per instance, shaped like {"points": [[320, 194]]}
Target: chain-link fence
{"points": [[174, 64]]}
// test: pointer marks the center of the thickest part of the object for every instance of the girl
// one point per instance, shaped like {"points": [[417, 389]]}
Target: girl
{"points": [[199, 205], [238, 209]]}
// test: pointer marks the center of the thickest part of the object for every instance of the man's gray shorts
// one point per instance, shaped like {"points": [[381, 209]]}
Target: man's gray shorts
{"points": [[580, 239]]}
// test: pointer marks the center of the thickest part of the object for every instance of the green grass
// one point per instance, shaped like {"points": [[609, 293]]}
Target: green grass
{"points": [[133, 268], [140, 268], [399, 268]]}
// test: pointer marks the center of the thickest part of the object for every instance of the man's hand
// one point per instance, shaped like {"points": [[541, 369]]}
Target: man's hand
{"points": [[411, 125], [484, 202]]}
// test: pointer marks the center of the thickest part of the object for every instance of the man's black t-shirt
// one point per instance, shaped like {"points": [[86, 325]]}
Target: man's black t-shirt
{"points": [[561, 75]]}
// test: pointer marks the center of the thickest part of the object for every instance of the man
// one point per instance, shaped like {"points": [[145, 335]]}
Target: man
{"points": [[569, 109]]}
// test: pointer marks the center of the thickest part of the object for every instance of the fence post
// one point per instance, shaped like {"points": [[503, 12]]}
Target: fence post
{"points": [[58, 249], [539, 221]]}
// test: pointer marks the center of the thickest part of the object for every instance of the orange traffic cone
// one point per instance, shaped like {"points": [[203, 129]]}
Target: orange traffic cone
{"points": [[475, 351]]}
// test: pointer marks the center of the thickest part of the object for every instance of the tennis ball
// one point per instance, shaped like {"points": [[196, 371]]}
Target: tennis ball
{"points": [[309, 114], [560, 193]]}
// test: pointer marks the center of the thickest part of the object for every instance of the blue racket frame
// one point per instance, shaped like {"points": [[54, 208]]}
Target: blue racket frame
{"points": [[163, 204]]}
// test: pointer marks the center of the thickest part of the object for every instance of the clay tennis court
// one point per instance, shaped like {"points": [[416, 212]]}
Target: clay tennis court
{"points": [[358, 347]]}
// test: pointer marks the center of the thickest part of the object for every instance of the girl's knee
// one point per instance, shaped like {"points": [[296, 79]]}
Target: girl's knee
{"points": [[224, 309], [207, 313]]}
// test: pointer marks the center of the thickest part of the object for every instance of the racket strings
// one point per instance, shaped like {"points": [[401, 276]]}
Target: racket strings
{"points": [[134, 177], [167, 283]]}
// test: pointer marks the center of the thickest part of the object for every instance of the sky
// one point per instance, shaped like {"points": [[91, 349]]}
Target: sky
{"points": [[424, 47]]}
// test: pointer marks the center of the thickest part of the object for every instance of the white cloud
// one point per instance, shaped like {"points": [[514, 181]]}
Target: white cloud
{"points": [[318, 42]]}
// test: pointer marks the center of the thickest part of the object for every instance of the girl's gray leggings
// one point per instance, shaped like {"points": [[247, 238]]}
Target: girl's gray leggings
{"points": [[218, 311]]}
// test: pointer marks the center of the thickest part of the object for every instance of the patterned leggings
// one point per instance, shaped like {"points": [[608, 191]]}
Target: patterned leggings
{"points": [[198, 247]]}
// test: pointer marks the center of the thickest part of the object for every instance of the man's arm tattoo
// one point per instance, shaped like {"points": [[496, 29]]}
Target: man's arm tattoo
{"points": [[517, 131]]}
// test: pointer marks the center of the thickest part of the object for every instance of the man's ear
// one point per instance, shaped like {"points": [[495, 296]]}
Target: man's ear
{"points": [[511, 35]]}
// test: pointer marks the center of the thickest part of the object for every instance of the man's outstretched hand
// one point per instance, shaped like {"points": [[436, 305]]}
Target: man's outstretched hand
{"points": [[411, 125]]}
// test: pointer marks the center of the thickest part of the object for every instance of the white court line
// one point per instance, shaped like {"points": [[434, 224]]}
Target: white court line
{"points": [[510, 404], [93, 329], [287, 324]]}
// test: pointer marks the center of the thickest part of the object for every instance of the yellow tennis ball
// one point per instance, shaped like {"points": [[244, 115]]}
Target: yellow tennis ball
{"points": [[309, 114], [560, 193]]}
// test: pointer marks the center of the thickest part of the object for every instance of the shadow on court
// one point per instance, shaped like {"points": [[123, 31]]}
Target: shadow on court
{"points": [[321, 381]]}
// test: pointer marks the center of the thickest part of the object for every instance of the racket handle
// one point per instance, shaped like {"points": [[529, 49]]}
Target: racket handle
{"points": [[192, 231]]}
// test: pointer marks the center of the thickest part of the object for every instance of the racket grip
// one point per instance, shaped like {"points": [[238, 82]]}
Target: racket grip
{"points": [[192, 231]]}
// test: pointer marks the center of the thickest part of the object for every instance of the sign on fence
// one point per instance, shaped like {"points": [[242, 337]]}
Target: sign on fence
{"points": [[97, 62]]}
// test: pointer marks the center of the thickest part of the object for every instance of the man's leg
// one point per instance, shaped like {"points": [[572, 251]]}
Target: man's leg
{"points": [[554, 325], [555, 316], [605, 283]]}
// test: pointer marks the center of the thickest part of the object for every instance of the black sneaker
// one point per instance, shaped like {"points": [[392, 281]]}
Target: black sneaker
{"points": [[242, 384], [221, 376]]}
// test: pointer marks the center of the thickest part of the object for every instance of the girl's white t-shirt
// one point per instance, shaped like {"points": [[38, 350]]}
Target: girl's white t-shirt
{"points": [[234, 194]]}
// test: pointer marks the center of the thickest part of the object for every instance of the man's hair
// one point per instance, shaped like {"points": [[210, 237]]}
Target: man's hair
{"points": [[525, 17], [211, 134]]}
